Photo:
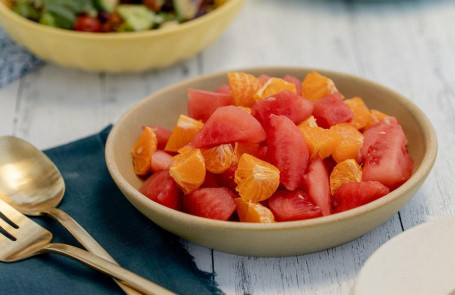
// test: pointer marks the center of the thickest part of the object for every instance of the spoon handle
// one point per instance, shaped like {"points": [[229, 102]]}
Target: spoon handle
{"points": [[86, 240], [125, 276]]}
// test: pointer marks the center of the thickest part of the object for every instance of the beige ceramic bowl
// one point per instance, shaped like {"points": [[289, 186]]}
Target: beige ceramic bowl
{"points": [[278, 239], [118, 52]]}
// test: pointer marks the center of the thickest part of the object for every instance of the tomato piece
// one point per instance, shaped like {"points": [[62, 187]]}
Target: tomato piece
{"points": [[87, 23], [354, 194], [214, 203], [293, 205], [161, 188], [332, 110], [287, 150], [201, 104], [285, 103], [317, 185], [385, 157], [229, 124]]}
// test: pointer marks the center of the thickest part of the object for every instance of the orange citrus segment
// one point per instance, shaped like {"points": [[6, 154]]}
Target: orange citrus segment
{"points": [[310, 122], [253, 212], [321, 142], [218, 159], [344, 172], [241, 148], [315, 86], [375, 119], [256, 180], [243, 87], [142, 151], [185, 149], [350, 144], [272, 87], [183, 132], [361, 112], [188, 170]]}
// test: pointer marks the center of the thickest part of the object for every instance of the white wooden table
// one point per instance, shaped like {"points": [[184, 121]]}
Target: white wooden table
{"points": [[408, 46]]}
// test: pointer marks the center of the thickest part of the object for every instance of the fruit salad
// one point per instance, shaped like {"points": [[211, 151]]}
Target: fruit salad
{"points": [[113, 15], [268, 149]]}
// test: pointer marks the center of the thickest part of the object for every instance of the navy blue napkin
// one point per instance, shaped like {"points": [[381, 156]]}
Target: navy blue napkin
{"points": [[15, 61], [136, 243]]}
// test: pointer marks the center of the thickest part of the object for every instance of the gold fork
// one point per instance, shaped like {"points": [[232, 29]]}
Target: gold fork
{"points": [[21, 238]]}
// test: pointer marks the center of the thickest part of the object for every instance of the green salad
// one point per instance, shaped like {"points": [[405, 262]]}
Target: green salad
{"points": [[113, 15]]}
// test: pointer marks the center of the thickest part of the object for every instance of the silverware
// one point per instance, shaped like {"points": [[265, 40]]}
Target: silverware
{"points": [[22, 238], [31, 183]]}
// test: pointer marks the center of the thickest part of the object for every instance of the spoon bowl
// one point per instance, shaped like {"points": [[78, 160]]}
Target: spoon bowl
{"points": [[29, 180], [33, 185]]}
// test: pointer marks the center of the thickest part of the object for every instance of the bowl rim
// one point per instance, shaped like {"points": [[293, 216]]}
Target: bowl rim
{"points": [[229, 5], [428, 160]]}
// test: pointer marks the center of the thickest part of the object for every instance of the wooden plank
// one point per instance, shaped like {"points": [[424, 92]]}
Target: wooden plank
{"points": [[326, 272], [9, 99], [122, 91], [286, 33], [58, 105]]}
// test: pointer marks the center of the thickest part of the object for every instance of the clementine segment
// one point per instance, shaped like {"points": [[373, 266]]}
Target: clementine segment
{"points": [[350, 144], [183, 132], [188, 170], [321, 142], [256, 180], [344, 172], [375, 118], [272, 87], [243, 87], [253, 212], [218, 159], [315, 86], [253, 149], [361, 112], [142, 151]]}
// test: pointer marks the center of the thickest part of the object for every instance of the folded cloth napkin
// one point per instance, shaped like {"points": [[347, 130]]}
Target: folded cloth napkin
{"points": [[136, 243], [15, 61]]}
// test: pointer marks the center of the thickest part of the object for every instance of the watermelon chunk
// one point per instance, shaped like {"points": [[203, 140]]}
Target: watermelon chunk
{"points": [[285, 103], [287, 150], [293, 205], [317, 185], [332, 110], [161, 188], [229, 124], [202, 104], [214, 203], [354, 194], [385, 158]]}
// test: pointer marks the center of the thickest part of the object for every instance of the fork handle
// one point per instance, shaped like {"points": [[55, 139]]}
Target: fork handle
{"points": [[85, 239], [125, 276]]}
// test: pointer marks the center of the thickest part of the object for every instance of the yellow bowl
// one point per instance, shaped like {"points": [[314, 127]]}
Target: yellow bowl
{"points": [[119, 52], [281, 238]]}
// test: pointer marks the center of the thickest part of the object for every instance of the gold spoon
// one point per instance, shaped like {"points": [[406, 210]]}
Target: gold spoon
{"points": [[31, 183]]}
